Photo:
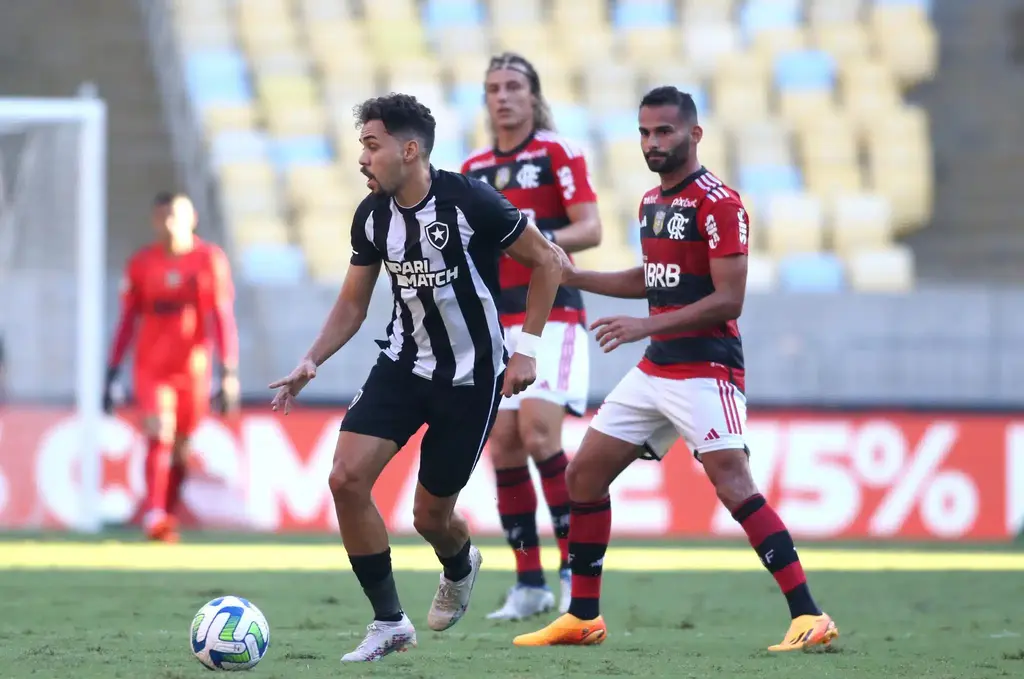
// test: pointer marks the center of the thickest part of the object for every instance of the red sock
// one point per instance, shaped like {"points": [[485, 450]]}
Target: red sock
{"points": [[552, 479], [176, 478], [774, 545], [517, 505], [590, 529], [158, 464]]}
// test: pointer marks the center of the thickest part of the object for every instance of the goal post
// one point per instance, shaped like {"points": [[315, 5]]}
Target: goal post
{"points": [[39, 139]]}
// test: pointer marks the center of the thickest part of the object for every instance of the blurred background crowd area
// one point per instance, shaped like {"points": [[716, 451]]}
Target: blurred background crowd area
{"points": [[876, 144]]}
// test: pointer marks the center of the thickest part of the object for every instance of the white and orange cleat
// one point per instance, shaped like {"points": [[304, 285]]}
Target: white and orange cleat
{"points": [[806, 631], [568, 630]]}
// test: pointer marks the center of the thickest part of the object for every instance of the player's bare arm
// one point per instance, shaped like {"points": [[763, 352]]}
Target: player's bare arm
{"points": [[729, 275], [343, 321], [627, 284], [583, 231], [546, 262]]}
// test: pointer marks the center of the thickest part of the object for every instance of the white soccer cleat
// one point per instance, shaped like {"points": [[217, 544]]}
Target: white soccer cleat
{"points": [[564, 590], [452, 598], [383, 638], [523, 602]]}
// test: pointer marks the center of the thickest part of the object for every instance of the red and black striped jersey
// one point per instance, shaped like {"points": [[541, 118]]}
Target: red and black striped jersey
{"points": [[681, 230], [543, 177]]}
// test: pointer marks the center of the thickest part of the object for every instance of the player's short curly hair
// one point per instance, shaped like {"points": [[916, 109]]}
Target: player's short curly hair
{"points": [[667, 95], [402, 116]]}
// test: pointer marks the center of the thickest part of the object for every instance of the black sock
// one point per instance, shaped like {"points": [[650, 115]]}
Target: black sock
{"points": [[457, 567], [378, 583]]}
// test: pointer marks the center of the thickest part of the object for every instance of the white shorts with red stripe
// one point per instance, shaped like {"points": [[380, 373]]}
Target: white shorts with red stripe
{"points": [[563, 367], [654, 412]]}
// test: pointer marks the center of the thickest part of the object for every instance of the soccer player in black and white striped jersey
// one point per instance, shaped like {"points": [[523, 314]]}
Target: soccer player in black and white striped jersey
{"points": [[439, 235]]}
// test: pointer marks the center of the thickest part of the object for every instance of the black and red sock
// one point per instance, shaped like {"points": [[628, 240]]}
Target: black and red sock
{"points": [[774, 545], [552, 479], [517, 505], [590, 528]]}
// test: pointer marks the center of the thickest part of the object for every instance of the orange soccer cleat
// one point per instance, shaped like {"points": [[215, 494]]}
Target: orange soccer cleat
{"points": [[806, 631], [163, 529], [567, 630]]}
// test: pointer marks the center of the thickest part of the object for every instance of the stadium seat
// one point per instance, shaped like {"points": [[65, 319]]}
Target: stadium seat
{"points": [[288, 151], [762, 181], [861, 222], [396, 41], [240, 203], [263, 229], [311, 185], [467, 14], [296, 121], [316, 11], [793, 223], [216, 36], [268, 35], [619, 126], [713, 149], [293, 90], [762, 272], [739, 101], [572, 120], [383, 12], [448, 155], [325, 36], [763, 142], [239, 146], [820, 272], [834, 12], [281, 62], [256, 175], [220, 118], [705, 45], [757, 16], [519, 13], [217, 77], [607, 85], [868, 91], [699, 12], [579, 14], [584, 47], [806, 81], [906, 40], [272, 265], [845, 42], [887, 270]]}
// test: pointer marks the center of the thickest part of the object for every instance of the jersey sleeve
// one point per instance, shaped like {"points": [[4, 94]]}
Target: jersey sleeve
{"points": [[571, 171], [130, 287], [492, 216], [364, 252], [223, 287], [725, 226]]}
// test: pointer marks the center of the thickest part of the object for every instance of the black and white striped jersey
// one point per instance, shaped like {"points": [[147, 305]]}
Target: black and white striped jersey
{"points": [[442, 256]]}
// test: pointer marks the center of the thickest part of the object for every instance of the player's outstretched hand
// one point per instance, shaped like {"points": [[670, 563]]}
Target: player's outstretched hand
{"points": [[289, 387], [520, 373], [614, 331]]}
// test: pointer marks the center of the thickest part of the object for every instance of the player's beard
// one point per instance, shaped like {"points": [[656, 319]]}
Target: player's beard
{"points": [[666, 163], [378, 189]]}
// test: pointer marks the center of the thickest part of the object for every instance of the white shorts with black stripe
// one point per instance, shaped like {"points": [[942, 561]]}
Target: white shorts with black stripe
{"points": [[654, 412]]}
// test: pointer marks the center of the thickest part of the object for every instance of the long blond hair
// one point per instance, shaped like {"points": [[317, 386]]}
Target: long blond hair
{"points": [[542, 117]]}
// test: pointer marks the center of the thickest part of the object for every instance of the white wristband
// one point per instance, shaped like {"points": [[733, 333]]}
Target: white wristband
{"points": [[526, 344]]}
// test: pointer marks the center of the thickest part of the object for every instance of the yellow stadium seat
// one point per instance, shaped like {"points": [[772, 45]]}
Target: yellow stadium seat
{"points": [[286, 120], [793, 223], [886, 270], [683, 76], [584, 47], [381, 12], [861, 222], [797, 106], [843, 41], [706, 11], [259, 230], [579, 14], [646, 48], [260, 34], [312, 12], [313, 185], [743, 66], [704, 46], [221, 117], [252, 175], [713, 149], [288, 89], [828, 180], [397, 41], [762, 272], [206, 36], [455, 44], [828, 141], [868, 91], [240, 203], [343, 91], [324, 38], [195, 12], [764, 141], [739, 101], [769, 43], [284, 62], [607, 85], [524, 40], [519, 13], [834, 12], [906, 41], [325, 239]]}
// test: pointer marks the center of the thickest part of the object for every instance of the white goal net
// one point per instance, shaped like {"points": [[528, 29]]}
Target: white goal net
{"points": [[52, 287]]}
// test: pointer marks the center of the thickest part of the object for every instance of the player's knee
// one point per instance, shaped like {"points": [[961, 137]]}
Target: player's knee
{"points": [[347, 485], [729, 472], [505, 447], [540, 440], [159, 427], [431, 520], [584, 482]]}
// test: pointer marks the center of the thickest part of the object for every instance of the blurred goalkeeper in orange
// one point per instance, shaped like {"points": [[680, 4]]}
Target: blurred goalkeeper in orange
{"points": [[178, 291]]}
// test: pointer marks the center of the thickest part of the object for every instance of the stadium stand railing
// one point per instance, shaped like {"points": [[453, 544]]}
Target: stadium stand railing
{"points": [[803, 103]]}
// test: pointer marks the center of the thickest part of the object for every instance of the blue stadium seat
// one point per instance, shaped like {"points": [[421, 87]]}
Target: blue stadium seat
{"points": [[761, 15], [217, 77], [926, 5], [642, 14], [820, 272], [805, 70], [288, 151], [239, 146], [452, 13], [448, 155], [572, 120], [761, 181], [468, 99], [700, 96], [272, 264]]}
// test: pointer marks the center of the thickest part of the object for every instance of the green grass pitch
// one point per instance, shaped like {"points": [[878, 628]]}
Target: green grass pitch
{"points": [[64, 612]]}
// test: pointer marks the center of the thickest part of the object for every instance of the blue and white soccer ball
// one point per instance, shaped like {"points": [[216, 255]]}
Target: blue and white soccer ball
{"points": [[229, 634]]}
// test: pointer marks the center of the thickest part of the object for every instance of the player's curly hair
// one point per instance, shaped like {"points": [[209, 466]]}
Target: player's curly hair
{"points": [[402, 116], [542, 118]]}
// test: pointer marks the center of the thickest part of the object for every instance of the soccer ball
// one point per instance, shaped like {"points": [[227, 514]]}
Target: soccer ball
{"points": [[229, 634]]}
